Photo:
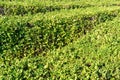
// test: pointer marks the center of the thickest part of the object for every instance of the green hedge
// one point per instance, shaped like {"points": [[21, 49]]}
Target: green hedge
{"points": [[32, 7], [94, 56], [21, 36], [21, 8]]}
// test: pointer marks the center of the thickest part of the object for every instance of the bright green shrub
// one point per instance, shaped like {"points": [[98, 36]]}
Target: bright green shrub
{"points": [[57, 45], [21, 8], [36, 6], [94, 56], [23, 35]]}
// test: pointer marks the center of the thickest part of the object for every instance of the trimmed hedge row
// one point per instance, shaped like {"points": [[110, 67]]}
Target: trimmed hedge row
{"points": [[31, 7], [94, 56], [21, 36], [20, 8]]}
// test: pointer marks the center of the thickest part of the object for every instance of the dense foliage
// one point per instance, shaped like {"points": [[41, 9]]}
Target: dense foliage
{"points": [[59, 40], [17, 7], [42, 32]]}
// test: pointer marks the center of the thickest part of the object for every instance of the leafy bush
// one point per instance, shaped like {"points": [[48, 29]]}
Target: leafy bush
{"points": [[35, 6], [94, 56], [65, 44], [22, 36]]}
